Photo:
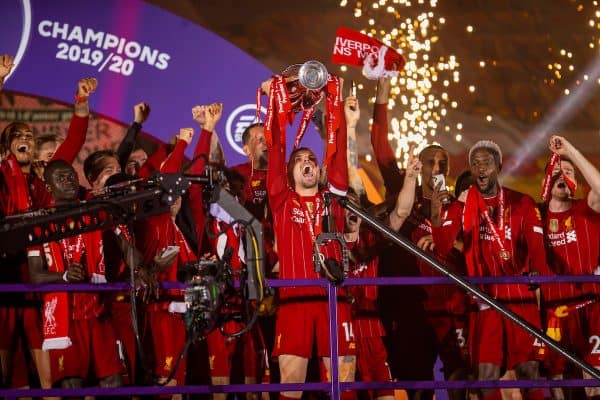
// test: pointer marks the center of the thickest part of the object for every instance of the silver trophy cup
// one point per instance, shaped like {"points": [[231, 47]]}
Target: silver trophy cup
{"points": [[304, 83]]}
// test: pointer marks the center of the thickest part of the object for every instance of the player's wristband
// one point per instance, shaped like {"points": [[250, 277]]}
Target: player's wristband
{"points": [[80, 99], [65, 277]]}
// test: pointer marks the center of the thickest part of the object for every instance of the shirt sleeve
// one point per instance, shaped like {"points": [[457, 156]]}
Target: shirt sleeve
{"points": [[196, 199], [174, 160], [127, 144], [201, 152], [147, 236], [153, 162], [386, 159], [445, 235], [533, 233], [337, 170], [74, 140], [277, 187], [534, 237], [584, 208]]}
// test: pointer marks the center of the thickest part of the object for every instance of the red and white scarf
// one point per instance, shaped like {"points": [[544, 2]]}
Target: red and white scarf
{"points": [[474, 212], [172, 236], [16, 197], [57, 313], [550, 178], [280, 108]]}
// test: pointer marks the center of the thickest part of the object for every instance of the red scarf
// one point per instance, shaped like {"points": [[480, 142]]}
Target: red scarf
{"points": [[474, 212], [153, 236], [59, 255], [185, 255], [280, 106], [549, 179], [16, 190]]}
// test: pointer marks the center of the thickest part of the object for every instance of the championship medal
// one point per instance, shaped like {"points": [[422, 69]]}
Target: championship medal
{"points": [[504, 255], [553, 225]]}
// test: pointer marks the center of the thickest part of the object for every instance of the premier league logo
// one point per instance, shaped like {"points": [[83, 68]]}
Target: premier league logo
{"points": [[239, 119]]}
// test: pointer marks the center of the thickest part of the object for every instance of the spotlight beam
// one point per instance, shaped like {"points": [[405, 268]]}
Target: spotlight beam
{"points": [[558, 115]]}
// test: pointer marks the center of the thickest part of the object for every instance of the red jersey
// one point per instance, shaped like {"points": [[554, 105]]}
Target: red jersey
{"points": [[297, 221], [74, 140], [365, 317], [523, 238], [166, 163], [227, 237], [19, 193], [384, 154], [87, 305], [295, 241], [256, 202], [256, 189], [572, 245], [158, 232], [87, 250], [420, 226]]}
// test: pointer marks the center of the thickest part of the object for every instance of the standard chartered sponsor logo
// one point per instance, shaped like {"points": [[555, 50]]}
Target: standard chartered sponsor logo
{"points": [[239, 119], [101, 49]]}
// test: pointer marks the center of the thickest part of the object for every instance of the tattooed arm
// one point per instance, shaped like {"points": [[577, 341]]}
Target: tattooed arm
{"points": [[352, 112]]}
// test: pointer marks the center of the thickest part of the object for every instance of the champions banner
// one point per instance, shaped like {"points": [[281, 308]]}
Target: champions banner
{"points": [[138, 52]]}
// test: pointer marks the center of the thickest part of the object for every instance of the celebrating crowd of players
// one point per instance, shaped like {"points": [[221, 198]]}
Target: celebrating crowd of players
{"points": [[76, 339]]}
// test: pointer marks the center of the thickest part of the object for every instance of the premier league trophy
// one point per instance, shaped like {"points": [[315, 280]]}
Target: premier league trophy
{"points": [[297, 90], [304, 83]]}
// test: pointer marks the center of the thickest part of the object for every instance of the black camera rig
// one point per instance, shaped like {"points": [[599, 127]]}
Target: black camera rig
{"points": [[133, 200]]}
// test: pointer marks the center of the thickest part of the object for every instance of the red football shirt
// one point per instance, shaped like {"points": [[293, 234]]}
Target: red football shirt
{"points": [[420, 226], [365, 318], [156, 233], [255, 188], [572, 245], [295, 241], [87, 250], [523, 237], [87, 305]]}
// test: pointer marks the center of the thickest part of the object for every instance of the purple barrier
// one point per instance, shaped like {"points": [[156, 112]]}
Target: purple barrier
{"points": [[335, 386], [78, 287], [277, 387]]}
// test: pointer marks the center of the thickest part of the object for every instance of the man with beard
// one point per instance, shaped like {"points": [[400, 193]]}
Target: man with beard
{"points": [[298, 209], [77, 331], [502, 236], [572, 228], [364, 262], [22, 190], [255, 170], [435, 313]]}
